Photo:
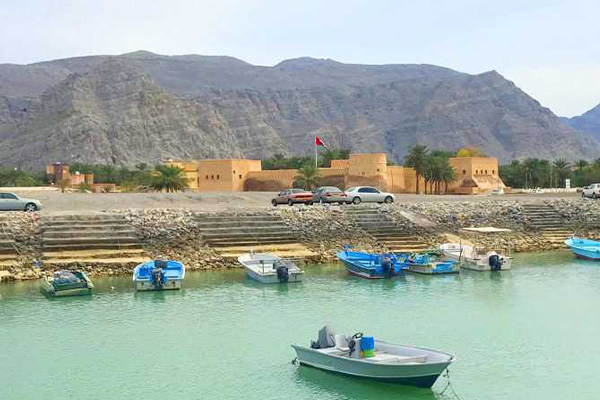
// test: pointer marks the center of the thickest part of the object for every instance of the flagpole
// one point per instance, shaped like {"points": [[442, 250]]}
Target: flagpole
{"points": [[316, 154]]}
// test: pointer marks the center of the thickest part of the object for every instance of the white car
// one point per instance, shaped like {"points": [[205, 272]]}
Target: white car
{"points": [[592, 191], [366, 194]]}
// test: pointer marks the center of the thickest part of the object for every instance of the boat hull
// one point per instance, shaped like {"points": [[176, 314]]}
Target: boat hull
{"points": [[142, 286], [432, 270], [476, 264], [421, 375], [49, 290], [584, 248], [272, 278]]}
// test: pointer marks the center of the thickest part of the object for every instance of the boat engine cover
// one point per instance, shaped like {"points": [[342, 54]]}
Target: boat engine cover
{"points": [[283, 274], [495, 262]]}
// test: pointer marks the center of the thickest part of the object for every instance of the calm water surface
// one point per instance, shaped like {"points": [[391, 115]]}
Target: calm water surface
{"points": [[530, 333]]}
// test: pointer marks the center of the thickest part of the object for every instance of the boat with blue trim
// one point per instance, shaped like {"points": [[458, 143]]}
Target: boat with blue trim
{"points": [[371, 266], [158, 275], [428, 263], [584, 248], [67, 283], [366, 357]]}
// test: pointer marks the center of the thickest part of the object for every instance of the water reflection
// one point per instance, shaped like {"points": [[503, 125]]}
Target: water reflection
{"points": [[338, 386]]}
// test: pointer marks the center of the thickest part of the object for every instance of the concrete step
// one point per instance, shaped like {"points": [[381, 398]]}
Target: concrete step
{"points": [[97, 253], [233, 224], [84, 217], [51, 262], [249, 242], [233, 218], [89, 246], [289, 251], [244, 230], [85, 222], [90, 227], [90, 240], [117, 234], [401, 242]]}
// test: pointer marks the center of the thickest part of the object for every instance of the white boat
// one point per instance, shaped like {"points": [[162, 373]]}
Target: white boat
{"points": [[365, 357], [476, 258], [269, 268]]}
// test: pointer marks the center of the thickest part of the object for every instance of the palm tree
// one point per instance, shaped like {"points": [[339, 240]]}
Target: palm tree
{"points": [[169, 178], [581, 166], [562, 169], [307, 176], [417, 158], [448, 175], [333, 154]]}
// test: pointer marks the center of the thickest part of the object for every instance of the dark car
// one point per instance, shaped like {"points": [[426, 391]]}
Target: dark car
{"points": [[330, 194], [293, 196]]}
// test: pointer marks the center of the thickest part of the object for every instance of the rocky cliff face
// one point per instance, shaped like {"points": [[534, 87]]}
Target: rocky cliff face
{"points": [[588, 122], [146, 107]]}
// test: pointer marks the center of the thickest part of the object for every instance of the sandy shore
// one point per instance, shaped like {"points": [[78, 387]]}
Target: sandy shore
{"points": [[56, 202]]}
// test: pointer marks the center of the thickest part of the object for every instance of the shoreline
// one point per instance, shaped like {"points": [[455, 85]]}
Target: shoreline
{"points": [[177, 233]]}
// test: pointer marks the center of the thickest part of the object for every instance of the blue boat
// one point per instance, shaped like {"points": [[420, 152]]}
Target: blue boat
{"points": [[371, 266], [158, 275], [428, 263], [584, 248]]}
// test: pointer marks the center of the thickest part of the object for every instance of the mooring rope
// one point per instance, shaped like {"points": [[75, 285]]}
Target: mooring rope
{"points": [[449, 386]]}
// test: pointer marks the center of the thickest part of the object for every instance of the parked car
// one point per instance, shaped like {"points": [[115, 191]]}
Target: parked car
{"points": [[330, 194], [293, 196], [592, 191], [12, 202], [365, 194]]}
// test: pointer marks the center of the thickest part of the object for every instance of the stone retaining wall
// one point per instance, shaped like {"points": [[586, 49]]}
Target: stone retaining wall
{"points": [[174, 233]]}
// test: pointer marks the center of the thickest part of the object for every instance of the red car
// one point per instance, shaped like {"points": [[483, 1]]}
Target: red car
{"points": [[293, 196]]}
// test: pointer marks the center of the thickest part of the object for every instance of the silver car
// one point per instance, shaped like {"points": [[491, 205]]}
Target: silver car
{"points": [[592, 191], [330, 194], [12, 202], [365, 194]]}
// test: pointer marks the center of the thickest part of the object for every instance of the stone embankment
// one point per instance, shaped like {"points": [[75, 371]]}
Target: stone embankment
{"points": [[208, 240]]}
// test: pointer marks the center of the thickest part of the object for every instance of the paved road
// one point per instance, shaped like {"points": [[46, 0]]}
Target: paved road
{"points": [[55, 202]]}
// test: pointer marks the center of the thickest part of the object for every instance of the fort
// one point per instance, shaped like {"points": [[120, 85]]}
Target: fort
{"points": [[474, 175]]}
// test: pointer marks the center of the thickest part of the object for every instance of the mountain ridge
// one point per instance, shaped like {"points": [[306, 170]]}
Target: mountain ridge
{"points": [[144, 107]]}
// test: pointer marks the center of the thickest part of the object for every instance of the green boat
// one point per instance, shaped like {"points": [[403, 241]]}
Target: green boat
{"points": [[67, 283]]}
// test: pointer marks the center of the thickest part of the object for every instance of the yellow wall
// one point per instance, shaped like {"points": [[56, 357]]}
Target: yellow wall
{"points": [[474, 174]]}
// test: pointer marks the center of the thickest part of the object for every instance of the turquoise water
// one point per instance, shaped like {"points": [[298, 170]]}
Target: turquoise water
{"points": [[530, 333]]}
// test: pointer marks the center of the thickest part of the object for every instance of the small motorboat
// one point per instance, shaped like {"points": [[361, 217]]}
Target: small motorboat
{"points": [[428, 263], [476, 258], [584, 248], [158, 275], [371, 266], [269, 268], [67, 283], [363, 356]]}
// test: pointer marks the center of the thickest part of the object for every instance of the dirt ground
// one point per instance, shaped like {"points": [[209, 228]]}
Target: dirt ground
{"points": [[55, 202]]}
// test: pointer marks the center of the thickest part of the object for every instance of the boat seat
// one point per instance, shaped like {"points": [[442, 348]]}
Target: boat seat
{"points": [[395, 358], [332, 351]]}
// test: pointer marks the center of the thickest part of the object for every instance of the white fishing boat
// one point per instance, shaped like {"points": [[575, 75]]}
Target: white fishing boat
{"points": [[269, 268], [364, 357], [476, 258]]}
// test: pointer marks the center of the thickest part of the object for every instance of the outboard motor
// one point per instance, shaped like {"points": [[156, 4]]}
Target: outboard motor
{"points": [[283, 274], [495, 262], [158, 277], [387, 267]]}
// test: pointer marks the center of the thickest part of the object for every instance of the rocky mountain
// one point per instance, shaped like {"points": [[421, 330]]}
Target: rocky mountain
{"points": [[588, 122], [144, 107]]}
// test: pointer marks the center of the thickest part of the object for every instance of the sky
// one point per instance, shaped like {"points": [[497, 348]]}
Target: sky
{"points": [[550, 49]]}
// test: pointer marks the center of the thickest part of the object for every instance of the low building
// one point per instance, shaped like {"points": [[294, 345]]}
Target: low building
{"points": [[57, 172], [474, 175]]}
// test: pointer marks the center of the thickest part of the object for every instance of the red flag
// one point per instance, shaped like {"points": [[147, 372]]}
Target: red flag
{"points": [[318, 141]]}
